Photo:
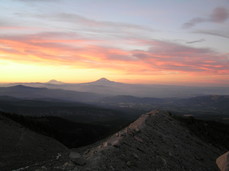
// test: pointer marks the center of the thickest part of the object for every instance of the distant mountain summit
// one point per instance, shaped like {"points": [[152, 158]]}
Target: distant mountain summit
{"points": [[54, 82], [103, 81], [21, 87]]}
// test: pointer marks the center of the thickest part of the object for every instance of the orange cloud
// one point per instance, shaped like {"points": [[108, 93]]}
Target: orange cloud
{"points": [[160, 58]]}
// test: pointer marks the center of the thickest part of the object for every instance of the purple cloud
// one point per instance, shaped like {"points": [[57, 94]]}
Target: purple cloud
{"points": [[219, 15]]}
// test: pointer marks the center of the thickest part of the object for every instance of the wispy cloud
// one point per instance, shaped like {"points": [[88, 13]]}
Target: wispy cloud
{"points": [[104, 27], [194, 22], [219, 15], [214, 33], [195, 41]]}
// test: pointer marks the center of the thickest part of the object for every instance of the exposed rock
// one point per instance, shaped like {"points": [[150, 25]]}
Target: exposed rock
{"points": [[43, 168], [77, 158], [74, 155], [58, 156], [75, 169], [129, 163], [223, 162]]}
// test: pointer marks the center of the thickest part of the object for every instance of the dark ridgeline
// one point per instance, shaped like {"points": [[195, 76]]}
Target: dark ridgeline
{"points": [[71, 134]]}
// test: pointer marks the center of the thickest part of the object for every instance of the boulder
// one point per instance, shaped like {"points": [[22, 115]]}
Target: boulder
{"points": [[77, 159], [223, 162]]}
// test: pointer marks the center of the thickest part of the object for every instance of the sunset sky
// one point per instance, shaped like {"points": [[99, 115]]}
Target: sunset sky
{"points": [[183, 42]]}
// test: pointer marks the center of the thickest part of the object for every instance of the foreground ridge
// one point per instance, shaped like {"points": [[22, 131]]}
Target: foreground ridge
{"points": [[155, 141]]}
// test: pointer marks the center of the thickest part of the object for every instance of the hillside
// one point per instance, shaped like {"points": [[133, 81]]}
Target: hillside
{"points": [[156, 141], [71, 134], [21, 147], [211, 107], [73, 111], [26, 92]]}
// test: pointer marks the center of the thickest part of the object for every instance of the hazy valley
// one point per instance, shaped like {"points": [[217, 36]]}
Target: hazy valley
{"points": [[106, 87]]}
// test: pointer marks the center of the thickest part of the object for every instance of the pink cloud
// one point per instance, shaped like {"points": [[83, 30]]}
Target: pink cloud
{"points": [[54, 48]]}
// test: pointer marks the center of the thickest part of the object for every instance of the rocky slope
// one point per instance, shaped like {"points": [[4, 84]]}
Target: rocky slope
{"points": [[156, 141]]}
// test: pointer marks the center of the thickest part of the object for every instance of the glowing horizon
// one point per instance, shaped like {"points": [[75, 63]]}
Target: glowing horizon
{"points": [[133, 42]]}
